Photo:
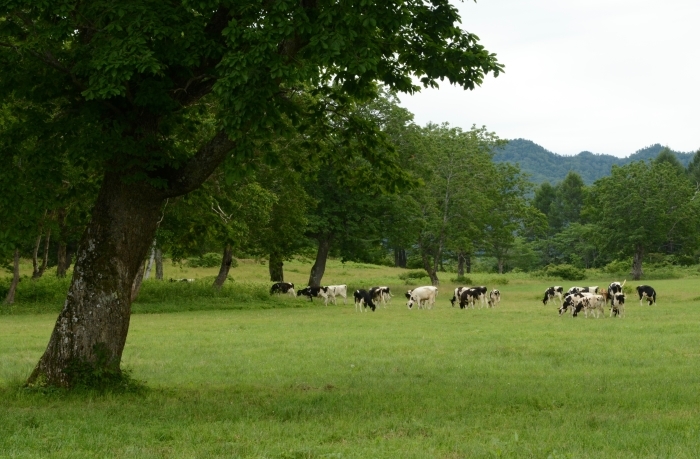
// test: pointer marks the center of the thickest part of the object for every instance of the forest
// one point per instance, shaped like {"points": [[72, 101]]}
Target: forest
{"points": [[437, 201]]}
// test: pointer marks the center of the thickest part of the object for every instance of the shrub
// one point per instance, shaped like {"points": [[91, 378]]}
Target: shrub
{"points": [[462, 280], [565, 272], [618, 266], [419, 274], [209, 260], [498, 280]]}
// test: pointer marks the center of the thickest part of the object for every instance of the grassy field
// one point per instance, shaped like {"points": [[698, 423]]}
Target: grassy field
{"points": [[308, 381]]}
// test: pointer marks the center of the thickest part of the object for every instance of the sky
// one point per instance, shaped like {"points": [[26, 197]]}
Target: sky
{"points": [[606, 76]]}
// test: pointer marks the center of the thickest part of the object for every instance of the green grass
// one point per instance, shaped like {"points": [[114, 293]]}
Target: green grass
{"points": [[326, 382]]}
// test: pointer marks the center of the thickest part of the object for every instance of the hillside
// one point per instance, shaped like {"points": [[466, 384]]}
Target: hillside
{"points": [[545, 166]]}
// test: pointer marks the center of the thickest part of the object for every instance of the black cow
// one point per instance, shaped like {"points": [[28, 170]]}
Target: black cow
{"points": [[363, 299], [644, 291], [551, 292], [314, 292], [469, 296], [282, 287]]}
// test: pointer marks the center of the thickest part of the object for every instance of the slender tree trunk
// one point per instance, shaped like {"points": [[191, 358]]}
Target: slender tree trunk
{"points": [[468, 262], [637, 271], [319, 267], [276, 267], [400, 258], [138, 280], [159, 264], [428, 266], [10, 298], [45, 260], [500, 265], [61, 260], [226, 261], [35, 257], [147, 274], [91, 330], [461, 259]]}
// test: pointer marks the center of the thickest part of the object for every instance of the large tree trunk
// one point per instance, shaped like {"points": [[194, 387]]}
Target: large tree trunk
{"points": [[159, 264], [319, 267], [10, 298], [226, 261], [61, 265], [90, 332], [276, 267], [400, 258], [637, 272], [461, 259]]}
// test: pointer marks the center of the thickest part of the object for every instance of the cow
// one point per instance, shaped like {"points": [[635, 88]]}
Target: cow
{"points": [[422, 294], [494, 298], [591, 302], [458, 292], [363, 299], [468, 297], [282, 287], [556, 291], [338, 290], [314, 292], [617, 305], [189, 281], [483, 291], [645, 291], [593, 289], [381, 294], [571, 300]]}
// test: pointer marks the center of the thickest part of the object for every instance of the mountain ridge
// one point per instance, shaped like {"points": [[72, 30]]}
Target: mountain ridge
{"points": [[545, 166]]}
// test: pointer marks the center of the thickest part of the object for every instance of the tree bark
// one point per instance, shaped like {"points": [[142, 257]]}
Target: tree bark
{"points": [[468, 262], [637, 271], [500, 265], [61, 260], [225, 267], [147, 274], [91, 330], [159, 264], [10, 298], [276, 267], [319, 267]]}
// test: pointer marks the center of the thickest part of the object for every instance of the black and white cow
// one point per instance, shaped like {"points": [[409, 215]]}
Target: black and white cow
{"points": [[593, 289], [494, 298], [421, 295], [363, 299], [645, 291], [556, 291], [381, 294], [571, 300], [337, 290], [483, 293], [590, 302], [314, 292], [468, 297], [617, 305], [189, 281], [457, 293], [282, 287]]}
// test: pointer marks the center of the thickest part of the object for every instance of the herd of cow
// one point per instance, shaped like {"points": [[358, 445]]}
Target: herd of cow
{"points": [[423, 297], [593, 300]]}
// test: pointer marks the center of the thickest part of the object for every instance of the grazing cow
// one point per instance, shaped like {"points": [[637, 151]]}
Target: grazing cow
{"points": [[422, 294], [593, 289], [494, 298], [468, 297], [483, 292], [363, 299], [617, 305], [315, 292], [644, 291], [458, 292], [615, 287], [571, 300], [591, 302], [338, 290], [381, 295], [283, 287], [553, 292], [189, 281]]}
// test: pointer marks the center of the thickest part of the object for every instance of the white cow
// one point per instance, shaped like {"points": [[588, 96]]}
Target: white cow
{"points": [[591, 302], [422, 294], [338, 290], [494, 298]]}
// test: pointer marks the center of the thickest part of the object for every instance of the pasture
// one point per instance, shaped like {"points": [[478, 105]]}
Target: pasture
{"points": [[285, 378]]}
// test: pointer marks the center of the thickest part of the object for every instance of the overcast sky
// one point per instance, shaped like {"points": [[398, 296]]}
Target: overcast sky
{"points": [[607, 76]]}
